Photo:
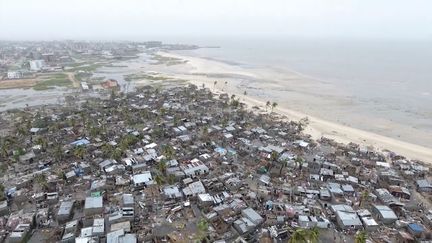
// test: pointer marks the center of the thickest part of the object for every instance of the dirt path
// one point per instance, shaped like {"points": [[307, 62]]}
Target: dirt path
{"points": [[74, 81]]}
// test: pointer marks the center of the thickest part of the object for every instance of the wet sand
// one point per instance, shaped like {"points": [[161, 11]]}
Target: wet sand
{"points": [[235, 80]]}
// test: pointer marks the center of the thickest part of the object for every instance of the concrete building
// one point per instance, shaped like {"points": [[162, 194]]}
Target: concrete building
{"points": [[36, 65], [65, 211], [93, 205], [14, 75], [384, 214], [252, 215]]}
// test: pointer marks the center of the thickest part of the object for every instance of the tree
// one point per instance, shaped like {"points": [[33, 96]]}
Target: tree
{"points": [[299, 162], [41, 180], [116, 154], [274, 104], [364, 197], [299, 236], [268, 104], [168, 151], [313, 235], [171, 179], [214, 84], [274, 156], [2, 191], [284, 164], [245, 93], [159, 179], [79, 152], [162, 167], [361, 237], [58, 153], [42, 142], [202, 227], [301, 125]]}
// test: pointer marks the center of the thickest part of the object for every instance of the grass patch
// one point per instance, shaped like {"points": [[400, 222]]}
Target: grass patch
{"points": [[169, 61], [86, 68], [56, 80], [139, 76]]}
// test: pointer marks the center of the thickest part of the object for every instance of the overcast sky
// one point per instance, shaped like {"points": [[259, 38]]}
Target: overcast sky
{"points": [[145, 19]]}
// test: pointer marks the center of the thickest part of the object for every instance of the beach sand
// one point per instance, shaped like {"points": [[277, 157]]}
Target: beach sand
{"points": [[232, 79]]}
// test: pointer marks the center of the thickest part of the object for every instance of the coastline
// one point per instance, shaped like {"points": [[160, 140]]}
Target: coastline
{"points": [[203, 71]]}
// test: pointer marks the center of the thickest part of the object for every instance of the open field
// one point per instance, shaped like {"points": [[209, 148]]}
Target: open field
{"points": [[18, 83], [42, 82]]}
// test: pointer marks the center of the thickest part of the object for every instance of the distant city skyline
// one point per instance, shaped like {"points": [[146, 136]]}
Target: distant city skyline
{"points": [[143, 19]]}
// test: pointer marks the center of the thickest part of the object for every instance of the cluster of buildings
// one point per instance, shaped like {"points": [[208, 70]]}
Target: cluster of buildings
{"points": [[184, 165]]}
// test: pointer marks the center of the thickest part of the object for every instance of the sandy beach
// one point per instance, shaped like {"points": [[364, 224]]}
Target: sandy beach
{"points": [[231, 79]]}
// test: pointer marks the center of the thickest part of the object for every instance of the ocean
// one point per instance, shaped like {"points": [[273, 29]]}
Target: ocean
{"points": [[379, 86]]}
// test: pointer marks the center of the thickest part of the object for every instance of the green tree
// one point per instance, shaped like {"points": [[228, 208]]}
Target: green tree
{"points": [[41, 180], [162, 167], [2, 191], [274, 156], [268, 104], [159, 179], [364, 197], [313, 235], [302, 124], [58, 152], [360, 237], [273, 106], [299, 236], [42, 142], [202, 227], [299, 162], [171, 179], [168, 151], [79, 152]]}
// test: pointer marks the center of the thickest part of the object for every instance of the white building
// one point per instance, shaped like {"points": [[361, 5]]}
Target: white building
{"points": [[14, 75], [36, 65]]}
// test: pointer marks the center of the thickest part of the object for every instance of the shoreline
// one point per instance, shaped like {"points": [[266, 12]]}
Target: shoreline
{"points": [[317, 127]]}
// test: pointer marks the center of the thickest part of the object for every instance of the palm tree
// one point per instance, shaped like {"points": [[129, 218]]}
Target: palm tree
{"points": [[41, 180], [58, 153], [79, 152], [171, 179], [4, 148], [274, 104], [42, 142], [116, 154], [274, 156], [2, 191], [268, 104], [313, 235], [159, 179], [364, 197], [284, 164], [302, 124], [361, 237], [299, 236], [168, 151], [202, 226], [162, 167], [299, 161]]}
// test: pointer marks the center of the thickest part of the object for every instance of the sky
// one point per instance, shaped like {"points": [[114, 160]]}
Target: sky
{"points": [[153, 19]]}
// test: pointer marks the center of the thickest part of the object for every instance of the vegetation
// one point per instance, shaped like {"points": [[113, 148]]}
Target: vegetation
{"points": [[169, 61], [305, 235], [140, 76], [361, 237], [86, 67], [202, 227], [59, 79]]}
